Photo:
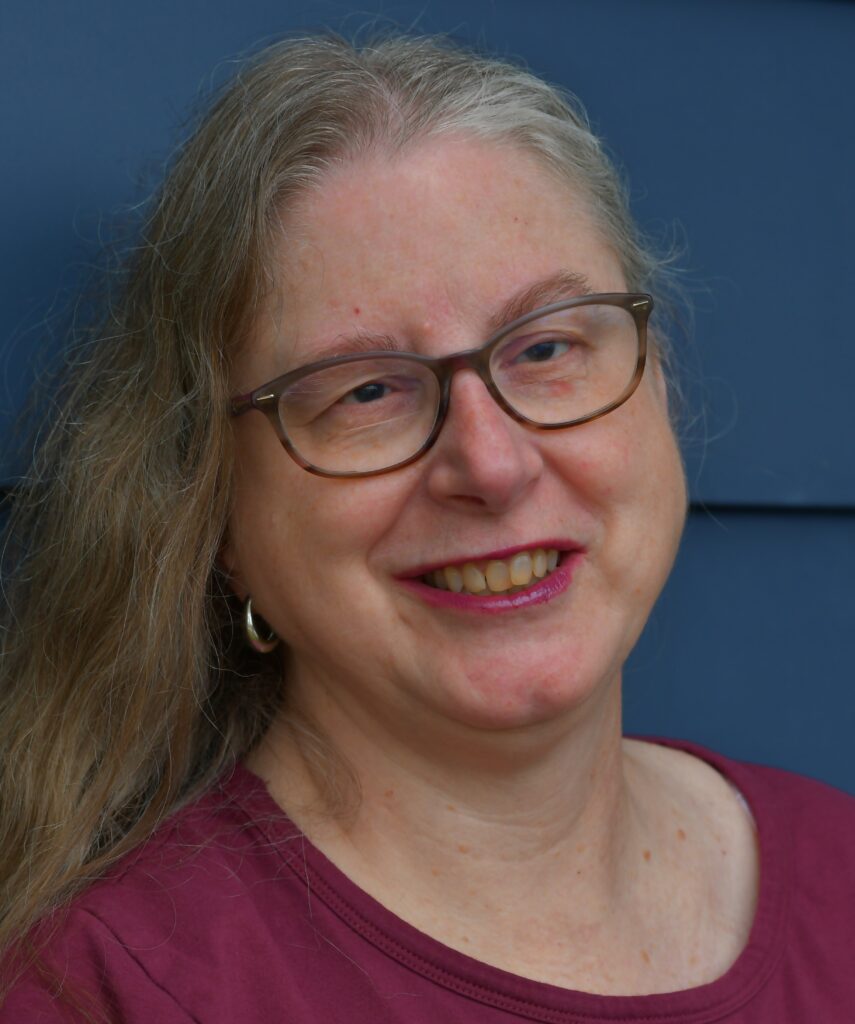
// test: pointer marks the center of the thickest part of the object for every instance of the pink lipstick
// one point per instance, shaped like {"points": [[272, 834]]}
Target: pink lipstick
{"points": [[538, 591]]}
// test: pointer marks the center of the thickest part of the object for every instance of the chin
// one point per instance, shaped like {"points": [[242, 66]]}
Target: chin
{"points": [[502, 698]]}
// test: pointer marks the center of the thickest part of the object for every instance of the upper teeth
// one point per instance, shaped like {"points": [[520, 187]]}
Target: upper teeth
{"points": [[497, 575]]}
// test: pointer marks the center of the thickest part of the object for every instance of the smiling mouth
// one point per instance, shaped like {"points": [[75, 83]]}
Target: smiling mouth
{"points": [[496, 575]]}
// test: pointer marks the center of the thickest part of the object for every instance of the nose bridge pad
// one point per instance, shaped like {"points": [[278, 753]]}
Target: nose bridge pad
{"points": [[485, 459], [476, 362], [465, 361], [473, 360]]}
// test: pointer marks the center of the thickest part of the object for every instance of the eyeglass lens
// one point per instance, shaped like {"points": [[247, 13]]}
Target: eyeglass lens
{"points": [[371, 414]]}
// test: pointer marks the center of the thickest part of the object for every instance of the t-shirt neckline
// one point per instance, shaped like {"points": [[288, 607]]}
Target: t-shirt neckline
{"points": [[535, 1000]]}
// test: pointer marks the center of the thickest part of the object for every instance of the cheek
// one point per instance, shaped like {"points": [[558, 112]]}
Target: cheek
{"points": [[293, 535], [646, 467], [629, 475], [601, 461], [267, 535], [654, 503]]}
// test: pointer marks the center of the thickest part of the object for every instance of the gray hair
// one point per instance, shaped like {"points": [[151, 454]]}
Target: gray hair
{"points": [[125, 686], [305, 105]]}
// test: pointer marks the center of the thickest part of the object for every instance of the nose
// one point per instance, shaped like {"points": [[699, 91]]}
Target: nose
{"points": [[483, 460]]}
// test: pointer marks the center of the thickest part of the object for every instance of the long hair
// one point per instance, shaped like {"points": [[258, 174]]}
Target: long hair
{"points": [[125, 689]]}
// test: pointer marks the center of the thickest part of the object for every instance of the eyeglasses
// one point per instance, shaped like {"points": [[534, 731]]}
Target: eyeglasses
{"points": [[369, 413]]}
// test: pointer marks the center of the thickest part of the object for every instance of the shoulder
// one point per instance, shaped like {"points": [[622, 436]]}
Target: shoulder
{"points": [[807, 794], [83, 972], [809, 861], [194, 868], [809, 806], [763, 786], [806, 835], [819, 818], [805, 854], [803, 825], [141, 941]]}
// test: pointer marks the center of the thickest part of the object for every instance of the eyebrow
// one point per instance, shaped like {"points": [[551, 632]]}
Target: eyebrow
{"points": [[564, 284], [353, 344]]}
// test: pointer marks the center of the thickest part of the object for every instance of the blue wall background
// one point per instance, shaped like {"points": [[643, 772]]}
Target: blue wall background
{"points": [[735, 122]]}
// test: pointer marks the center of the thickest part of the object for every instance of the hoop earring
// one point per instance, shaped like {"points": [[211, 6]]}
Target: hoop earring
{"points": [[264, 644]]}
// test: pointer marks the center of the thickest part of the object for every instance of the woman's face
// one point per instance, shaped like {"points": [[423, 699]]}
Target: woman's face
{"points": [[428, 248]]}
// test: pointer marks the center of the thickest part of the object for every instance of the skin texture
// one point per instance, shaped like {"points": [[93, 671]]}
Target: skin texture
{"points": [[496, 735], [407, 245]]}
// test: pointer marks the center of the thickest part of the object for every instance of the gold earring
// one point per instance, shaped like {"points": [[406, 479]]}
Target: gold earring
{"points": [[264, 644]]}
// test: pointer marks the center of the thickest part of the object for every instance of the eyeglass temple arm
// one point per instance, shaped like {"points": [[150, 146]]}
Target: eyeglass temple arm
{"points": [[243, 403], [240, 404]]}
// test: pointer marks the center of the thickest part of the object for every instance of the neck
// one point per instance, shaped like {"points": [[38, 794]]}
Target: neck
{"points": [[551, 851], [453, 817]]}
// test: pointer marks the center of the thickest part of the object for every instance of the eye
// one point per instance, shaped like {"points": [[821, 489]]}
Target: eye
{"points": [[543, 351], [391, 391], [371, 391]]}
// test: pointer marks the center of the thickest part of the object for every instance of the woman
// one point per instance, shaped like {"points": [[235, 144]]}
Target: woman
{"points": [[381, 389]]}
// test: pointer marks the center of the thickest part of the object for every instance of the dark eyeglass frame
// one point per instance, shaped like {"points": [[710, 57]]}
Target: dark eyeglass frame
{"points": [[266, 398]]}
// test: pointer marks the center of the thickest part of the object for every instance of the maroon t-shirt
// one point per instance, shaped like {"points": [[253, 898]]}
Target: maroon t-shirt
{"points": [[228, 915]]}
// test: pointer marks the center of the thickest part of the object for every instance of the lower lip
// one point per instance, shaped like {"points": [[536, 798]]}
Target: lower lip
{"points": [[495, 604]]}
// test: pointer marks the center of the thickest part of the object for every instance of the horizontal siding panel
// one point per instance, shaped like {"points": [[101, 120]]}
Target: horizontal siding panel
{"points": [[752, 646]]}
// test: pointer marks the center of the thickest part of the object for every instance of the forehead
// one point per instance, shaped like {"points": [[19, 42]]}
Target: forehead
{"points": [[426, 245]]}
